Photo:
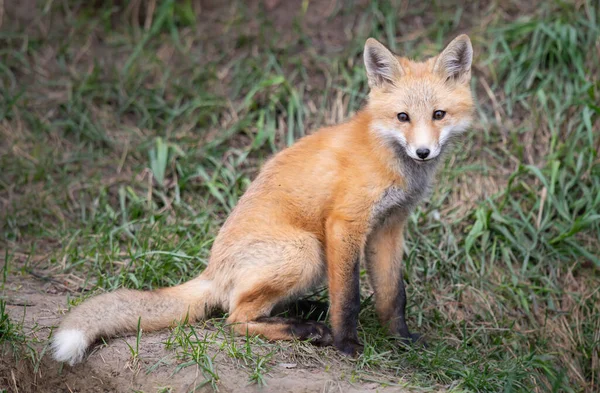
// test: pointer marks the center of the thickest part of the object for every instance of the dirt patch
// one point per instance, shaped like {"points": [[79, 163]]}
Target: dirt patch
{"points": [[110, 368]]}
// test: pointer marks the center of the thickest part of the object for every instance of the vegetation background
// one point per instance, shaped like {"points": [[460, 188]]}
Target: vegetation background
{"points": [[129, 129]]}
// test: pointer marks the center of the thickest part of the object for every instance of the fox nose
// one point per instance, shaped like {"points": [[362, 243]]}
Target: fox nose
{"points": [[423, 153]]}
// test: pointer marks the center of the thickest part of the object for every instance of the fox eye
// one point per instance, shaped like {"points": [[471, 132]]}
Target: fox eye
{"points": [[438, 115], [403, 117]]}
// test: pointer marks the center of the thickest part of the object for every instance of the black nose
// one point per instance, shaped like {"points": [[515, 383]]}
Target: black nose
{"points": [[423, 153]]}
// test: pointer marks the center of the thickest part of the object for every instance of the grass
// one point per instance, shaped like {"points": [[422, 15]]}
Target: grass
{"points": [[129, 135]]}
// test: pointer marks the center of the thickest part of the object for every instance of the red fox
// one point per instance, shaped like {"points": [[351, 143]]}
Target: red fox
{"points": [[338, 196]]}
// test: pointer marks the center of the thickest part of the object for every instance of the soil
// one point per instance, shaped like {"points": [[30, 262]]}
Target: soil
{"points": [[39, 305]]}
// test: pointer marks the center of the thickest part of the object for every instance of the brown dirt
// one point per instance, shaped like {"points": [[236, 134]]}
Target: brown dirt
{"points": [[108, 368]]}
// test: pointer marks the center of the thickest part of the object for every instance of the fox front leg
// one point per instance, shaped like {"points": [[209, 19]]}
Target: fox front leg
{"points": [[343, 257], [384, 264]]}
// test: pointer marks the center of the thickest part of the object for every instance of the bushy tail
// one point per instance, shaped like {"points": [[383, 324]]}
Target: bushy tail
{"points": [[119, 312]]}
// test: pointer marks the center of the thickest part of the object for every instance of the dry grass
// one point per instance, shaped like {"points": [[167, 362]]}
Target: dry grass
{"points": [[502, 260]]}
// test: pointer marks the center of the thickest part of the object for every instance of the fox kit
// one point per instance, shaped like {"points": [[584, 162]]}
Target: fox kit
{"points": [[334, 198]]}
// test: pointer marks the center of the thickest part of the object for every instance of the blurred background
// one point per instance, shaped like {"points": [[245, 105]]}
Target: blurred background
{"points": [[129, 129]]}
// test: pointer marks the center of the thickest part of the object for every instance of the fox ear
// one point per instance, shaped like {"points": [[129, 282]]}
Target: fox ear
{"points": [[454, 63], [381, 64]]}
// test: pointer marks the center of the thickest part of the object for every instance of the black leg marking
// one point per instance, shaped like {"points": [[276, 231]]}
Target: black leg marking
{"points": [[401, 327], [346, 339], [392, 316], [316, 333]]}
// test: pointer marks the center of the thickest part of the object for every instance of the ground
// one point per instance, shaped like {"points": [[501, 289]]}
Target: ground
{"points": [[129, 129], [111, 368]]}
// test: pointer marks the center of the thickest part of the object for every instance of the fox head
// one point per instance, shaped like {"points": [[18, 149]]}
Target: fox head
{"points": [[420, 106]]}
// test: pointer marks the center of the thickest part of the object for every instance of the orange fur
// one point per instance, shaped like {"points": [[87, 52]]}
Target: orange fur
{"points": [[313, 212]]}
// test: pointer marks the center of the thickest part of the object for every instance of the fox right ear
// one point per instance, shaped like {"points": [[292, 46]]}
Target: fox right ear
{"points": [[381, 64], [454, 63]]}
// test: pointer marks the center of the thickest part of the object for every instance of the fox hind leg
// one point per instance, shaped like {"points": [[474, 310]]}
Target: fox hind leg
{"points": [[251, 317], [286, 269], [278, 328]]}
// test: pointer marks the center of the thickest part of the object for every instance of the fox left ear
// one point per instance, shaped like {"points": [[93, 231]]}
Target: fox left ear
{"points": [[381, 64], [454, 63]]}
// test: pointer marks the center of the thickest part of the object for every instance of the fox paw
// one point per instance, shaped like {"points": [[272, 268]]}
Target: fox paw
{"points": [[349, 347], [315, 332], [319, 334]]}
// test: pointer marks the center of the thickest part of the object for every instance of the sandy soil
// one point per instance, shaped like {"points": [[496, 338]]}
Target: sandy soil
{"points": [[108, 368]]}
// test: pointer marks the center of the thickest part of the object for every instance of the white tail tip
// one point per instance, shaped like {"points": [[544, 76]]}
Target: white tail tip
{"points": [[69, 346]]}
